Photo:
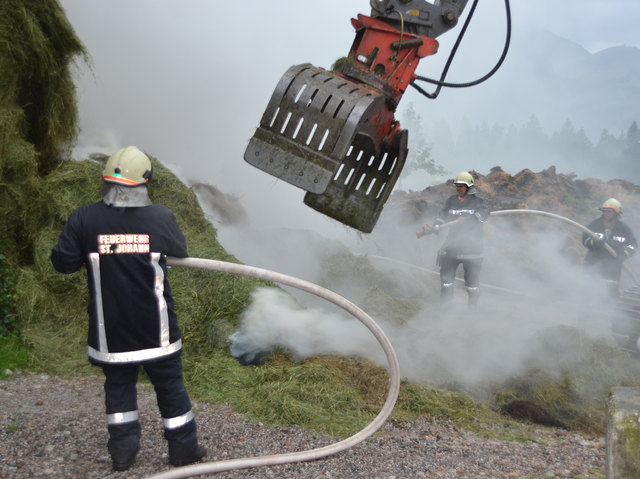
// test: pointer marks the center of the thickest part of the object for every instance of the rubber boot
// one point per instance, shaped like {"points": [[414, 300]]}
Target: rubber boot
{"points": [[446, 292], [123, 445], [473, 296], [183, 445]]}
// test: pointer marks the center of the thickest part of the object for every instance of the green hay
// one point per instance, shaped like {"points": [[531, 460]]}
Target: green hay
{"points": [[13, 355], [47, 298], [458, 409], [308, 394], [38, 112], [37, 46], [336, 396]]}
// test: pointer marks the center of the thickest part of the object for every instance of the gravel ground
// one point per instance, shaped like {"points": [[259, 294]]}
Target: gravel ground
{"points": [[55, 428]]}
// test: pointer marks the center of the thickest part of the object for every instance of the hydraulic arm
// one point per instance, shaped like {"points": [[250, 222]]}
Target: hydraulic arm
{"points": [[333, 133]]}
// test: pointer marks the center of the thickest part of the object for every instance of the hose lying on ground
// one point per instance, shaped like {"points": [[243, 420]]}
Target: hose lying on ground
{"points": [[575, 224], [312, 454]]}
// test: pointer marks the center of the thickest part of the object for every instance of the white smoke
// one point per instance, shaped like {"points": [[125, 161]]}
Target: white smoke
{"points": [[275, 320], [444, 345], [190, 97]]}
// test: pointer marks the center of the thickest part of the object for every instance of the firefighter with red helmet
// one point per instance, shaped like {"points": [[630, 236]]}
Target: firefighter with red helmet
{"points": [[123, 241], [609, 229], [464, 243]]}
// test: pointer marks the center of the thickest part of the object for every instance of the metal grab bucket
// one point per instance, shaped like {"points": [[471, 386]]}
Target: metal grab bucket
{"points": [[319, 127], [363, 183]]}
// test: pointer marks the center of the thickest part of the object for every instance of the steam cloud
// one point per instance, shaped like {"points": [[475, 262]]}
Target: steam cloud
{"points": [[505, 334]]}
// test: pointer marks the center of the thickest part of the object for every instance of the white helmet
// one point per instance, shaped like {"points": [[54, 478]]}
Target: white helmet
{"points": [[464, 178], [612, 204], [129, 167]]}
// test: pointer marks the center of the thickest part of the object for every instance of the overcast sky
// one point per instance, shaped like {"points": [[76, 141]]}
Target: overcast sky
{"points": [[188, 80]]}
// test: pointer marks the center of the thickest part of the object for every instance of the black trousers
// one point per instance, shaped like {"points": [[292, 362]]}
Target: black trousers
{"points": [[173, 402], [472, 267]]}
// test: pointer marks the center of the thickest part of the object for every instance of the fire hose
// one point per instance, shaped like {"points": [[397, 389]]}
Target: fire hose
{"points": [[575, 224], [311, 454]]}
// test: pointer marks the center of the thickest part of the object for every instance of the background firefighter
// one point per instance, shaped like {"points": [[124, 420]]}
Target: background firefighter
{"points": [[123, 240], [611, 230], [464, 242]]}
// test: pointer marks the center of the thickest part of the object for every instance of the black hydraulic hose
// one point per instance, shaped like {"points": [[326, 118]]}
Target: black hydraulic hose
{"points": [[441, 83], [312, 454]]}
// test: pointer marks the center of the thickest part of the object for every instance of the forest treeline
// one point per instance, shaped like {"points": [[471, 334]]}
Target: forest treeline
{"points": [[480, 146]]}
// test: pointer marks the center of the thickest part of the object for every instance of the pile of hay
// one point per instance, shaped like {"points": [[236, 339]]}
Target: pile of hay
{"points": [[38, 113]]}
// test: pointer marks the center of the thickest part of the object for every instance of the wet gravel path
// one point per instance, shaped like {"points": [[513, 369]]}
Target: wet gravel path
{"points": [[54, 428]]}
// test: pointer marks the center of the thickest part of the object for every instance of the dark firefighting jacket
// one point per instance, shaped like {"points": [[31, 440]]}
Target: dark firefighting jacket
{"points": [[131, 309], [465, 239], [620, 238]]}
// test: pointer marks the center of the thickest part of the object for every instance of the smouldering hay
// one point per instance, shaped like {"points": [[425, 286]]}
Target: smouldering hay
{"points": [[337, 396], [573, 379], [459, 409], [395, 297], [333, 395], [371, 381], [380, 304]]}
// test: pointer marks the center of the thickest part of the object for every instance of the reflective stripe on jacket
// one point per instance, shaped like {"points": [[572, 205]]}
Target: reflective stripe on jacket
{"points": [[465, 238], [131, 315]]}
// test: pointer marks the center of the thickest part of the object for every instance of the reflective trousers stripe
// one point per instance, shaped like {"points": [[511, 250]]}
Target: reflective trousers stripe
{"points": [[118, 418], [134, 356], [178, 421]]}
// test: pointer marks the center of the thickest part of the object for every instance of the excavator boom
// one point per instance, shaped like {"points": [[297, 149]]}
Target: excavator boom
{"points": [[333, 132]]}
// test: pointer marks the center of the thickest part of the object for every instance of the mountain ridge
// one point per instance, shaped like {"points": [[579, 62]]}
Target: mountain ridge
{"points": [[554, 79]]}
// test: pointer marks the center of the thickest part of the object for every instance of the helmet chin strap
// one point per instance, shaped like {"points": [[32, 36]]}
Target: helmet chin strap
{"points": [[125, 196]]}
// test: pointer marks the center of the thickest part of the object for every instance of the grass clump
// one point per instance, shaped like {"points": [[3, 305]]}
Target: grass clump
{"points": [[13, 355], [629, 438], [8, 324], [277, 393], [313, 394], [572, 380]]}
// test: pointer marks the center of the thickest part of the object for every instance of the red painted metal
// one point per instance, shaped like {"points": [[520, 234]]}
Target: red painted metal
{"points": [[395, 67]]}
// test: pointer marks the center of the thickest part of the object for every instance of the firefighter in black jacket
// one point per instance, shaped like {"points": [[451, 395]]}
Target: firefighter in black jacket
{"points": [[123, 240], [610, 230], [464, 242]]}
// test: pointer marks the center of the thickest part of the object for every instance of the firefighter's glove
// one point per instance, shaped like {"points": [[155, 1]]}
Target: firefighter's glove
{"points": [[479, 217], [628, 252], [426, 230], [595, 243]]}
